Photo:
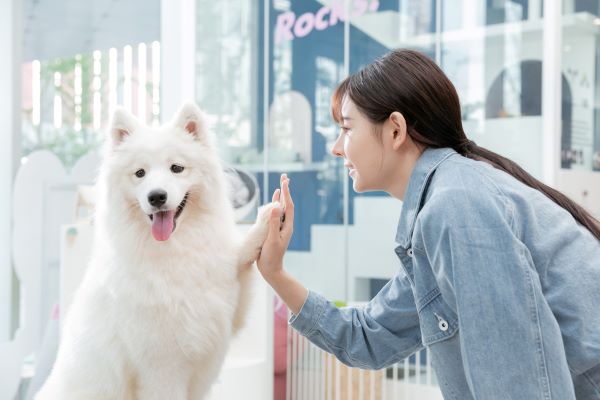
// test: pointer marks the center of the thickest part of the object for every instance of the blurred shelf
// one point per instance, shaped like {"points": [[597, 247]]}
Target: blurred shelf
{"points": [[284, 167], [383, 27]]}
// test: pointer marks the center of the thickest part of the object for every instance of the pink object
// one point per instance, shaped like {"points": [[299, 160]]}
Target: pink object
{"points": [[280, 348], [55, 315]]}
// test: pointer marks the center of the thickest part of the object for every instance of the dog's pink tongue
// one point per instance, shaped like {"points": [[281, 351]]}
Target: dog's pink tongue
{"points": [[162, 224]]}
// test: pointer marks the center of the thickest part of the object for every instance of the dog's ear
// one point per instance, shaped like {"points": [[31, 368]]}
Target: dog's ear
{"points": [[191, 120], [123, 124]]}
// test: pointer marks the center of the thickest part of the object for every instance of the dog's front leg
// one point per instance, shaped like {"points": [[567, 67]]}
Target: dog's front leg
{"points": [[163, 382], [249, 251]]}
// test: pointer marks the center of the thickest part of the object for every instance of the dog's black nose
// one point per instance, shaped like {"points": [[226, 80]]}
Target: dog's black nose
{"points": [[157, 197]]}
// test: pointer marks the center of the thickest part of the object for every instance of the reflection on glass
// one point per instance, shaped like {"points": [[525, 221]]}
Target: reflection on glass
{"points": [[226, 67], [493, 55]]}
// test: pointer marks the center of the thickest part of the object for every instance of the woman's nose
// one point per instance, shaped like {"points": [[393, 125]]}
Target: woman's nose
{"points": [[338, 149]]}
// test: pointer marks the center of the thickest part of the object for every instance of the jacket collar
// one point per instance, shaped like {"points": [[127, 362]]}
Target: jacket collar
{"points": [[416, 189]]}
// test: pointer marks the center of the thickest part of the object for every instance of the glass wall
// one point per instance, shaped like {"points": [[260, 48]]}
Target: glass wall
{"points": [[307, 58], [226, 77], [581, 88], [267, 92], [342, 245], [492, 52]]}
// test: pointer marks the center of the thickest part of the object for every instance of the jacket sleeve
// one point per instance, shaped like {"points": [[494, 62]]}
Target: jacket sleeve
{"points": [[374, 336], [511, 344]]}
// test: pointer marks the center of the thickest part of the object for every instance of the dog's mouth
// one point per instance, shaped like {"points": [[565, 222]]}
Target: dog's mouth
{"points": [[164, 222]]}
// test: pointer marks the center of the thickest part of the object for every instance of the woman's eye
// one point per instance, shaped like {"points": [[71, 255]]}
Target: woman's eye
{"points": [[345, 129], [140, 173], [176, 168]]}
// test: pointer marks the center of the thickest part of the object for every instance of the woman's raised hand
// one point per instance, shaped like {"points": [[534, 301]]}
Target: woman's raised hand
{"points": [[281, 227]]}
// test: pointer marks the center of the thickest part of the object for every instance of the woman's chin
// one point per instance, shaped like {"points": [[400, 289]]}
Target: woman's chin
{"points": [[360, 187], [357, 186]]}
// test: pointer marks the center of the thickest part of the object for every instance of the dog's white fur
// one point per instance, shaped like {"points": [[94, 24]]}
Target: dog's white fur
{"points": [[153, 319]]}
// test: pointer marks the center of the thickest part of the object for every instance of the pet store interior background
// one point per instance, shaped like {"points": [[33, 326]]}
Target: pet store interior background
{"points": [[528, 75]]}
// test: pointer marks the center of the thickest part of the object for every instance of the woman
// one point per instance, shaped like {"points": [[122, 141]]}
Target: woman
{"points": [[501, 273]]}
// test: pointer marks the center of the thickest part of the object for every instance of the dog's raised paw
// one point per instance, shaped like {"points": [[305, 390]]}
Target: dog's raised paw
{"points": [[257, 235], [264, 213]]}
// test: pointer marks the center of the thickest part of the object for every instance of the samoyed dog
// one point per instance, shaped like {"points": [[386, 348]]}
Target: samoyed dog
{"points": [[167, 283]]}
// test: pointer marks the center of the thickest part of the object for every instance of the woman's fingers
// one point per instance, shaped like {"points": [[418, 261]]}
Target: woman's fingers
{"points": [[282, 179]]}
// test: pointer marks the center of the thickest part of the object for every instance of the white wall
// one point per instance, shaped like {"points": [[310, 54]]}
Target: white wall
{"points": [[10, 105]]}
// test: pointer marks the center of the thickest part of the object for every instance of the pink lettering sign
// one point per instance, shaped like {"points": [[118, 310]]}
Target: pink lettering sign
{"points": [[287, 27]]}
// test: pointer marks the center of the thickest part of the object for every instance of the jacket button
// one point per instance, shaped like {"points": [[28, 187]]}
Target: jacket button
{"points": [[443, 325], [409, 252]]}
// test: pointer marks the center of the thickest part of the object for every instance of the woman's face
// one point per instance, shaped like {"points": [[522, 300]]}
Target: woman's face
{"points": [[360, 148]]}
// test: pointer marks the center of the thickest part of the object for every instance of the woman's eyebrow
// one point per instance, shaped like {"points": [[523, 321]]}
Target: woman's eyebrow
{"points": [[344, 118]]}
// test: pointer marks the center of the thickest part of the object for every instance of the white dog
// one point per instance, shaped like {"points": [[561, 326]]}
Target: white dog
{"points": [[166, 286]]}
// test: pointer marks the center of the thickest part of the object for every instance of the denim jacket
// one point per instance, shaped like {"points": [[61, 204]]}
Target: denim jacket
{"points": [[500, 283]]}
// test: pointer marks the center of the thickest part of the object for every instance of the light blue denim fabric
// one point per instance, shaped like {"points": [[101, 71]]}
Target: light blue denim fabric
{"points": [[497, 280]]}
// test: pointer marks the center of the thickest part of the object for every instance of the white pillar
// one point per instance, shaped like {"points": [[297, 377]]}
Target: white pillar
{"points": [[10, 121], [534, 10], [178, 55], [551, 90]]}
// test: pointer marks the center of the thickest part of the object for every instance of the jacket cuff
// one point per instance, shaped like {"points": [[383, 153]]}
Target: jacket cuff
{"points": [[307, 319]]}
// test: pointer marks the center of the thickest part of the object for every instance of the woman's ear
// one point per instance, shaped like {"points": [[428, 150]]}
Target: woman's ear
{"points": [[398, 126]]}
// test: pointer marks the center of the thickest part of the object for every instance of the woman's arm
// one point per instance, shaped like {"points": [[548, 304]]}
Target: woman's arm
{"points": [[384, 331]]}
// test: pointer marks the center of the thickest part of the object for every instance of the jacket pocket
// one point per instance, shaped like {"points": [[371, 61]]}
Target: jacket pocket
{"points": [[438, 321]]}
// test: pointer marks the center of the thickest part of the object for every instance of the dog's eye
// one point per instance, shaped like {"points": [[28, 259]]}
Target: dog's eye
{"points": [[176, 168], [140, 173]]}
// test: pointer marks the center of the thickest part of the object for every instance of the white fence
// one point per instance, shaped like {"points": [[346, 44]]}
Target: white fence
{"points": [[313, 374]]}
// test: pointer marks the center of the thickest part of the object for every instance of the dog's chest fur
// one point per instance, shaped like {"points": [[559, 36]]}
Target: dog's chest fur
{"points": [[180, 310]]}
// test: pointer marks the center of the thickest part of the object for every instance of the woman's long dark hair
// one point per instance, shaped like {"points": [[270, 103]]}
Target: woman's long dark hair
{"points": [[411, 83]]}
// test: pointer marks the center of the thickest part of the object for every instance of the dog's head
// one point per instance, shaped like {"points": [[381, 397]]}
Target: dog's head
{"points": [[152, 174]]}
